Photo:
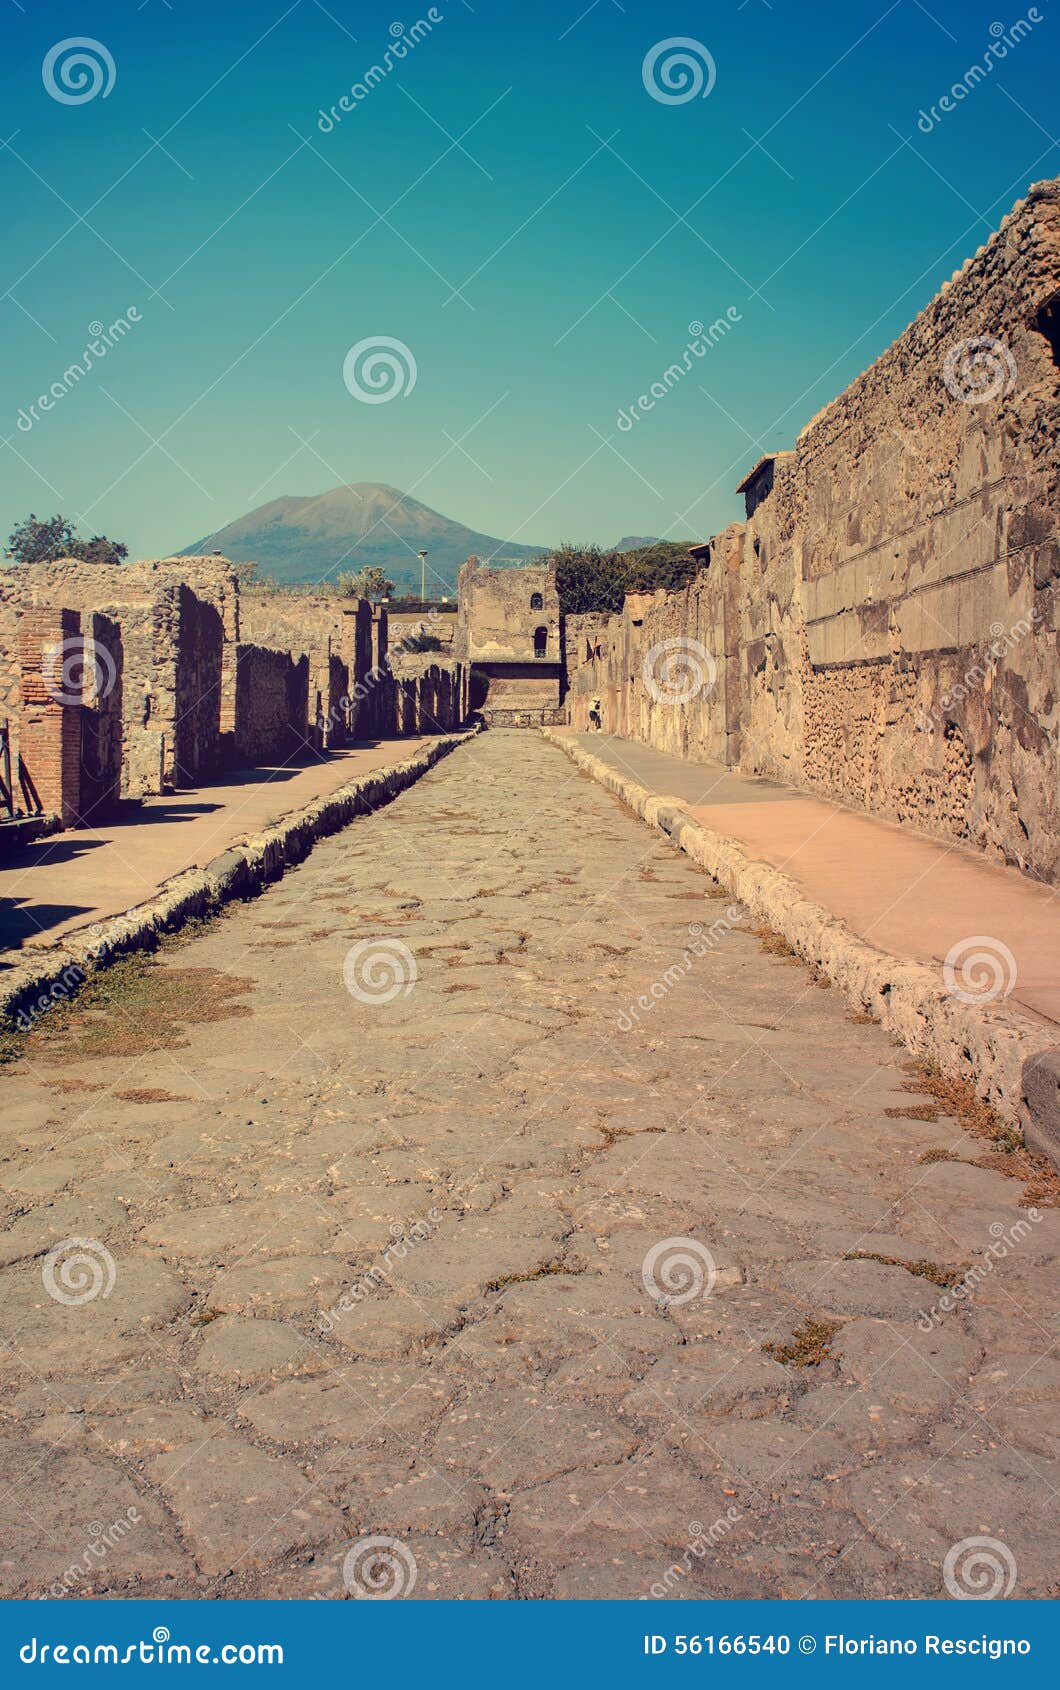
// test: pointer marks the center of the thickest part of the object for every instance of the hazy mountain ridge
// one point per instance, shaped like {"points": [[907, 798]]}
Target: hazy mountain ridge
{"points": [[307, 538]]}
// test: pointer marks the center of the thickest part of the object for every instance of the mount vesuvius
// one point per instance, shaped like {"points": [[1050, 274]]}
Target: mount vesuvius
{"points": [[325, 534]]}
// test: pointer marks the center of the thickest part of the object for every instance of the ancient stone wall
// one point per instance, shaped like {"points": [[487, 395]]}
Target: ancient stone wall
{"points": [[171, 635], [334, 708], [66, 729], [502, 610], [884, 626], [429, 692], [101, 717], [271, 689], [329, 629], [510, 633], [188, 694], [299, 622], [516, 696], [196, 721], [439, 621], [654, 670]]}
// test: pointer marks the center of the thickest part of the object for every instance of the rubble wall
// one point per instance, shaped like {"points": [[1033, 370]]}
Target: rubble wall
{"points": [[268, 686]]}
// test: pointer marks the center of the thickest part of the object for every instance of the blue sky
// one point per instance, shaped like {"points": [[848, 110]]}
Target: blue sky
{"points": [[516, 155]]}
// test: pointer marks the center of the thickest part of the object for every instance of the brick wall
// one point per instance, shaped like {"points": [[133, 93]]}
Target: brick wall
{"points": [[50, 663], [172, 616]]}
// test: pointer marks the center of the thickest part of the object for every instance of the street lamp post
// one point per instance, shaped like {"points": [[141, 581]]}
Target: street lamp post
{"points": [[423, 575]]}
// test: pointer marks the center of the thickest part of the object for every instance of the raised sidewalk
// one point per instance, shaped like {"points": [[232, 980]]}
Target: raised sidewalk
{"points": [[878, 907], [84, 875], [240, 837]]}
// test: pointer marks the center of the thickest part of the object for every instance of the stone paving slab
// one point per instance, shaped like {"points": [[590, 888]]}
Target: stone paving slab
{"points": [[909, 894], [84, 875], [437, 1272], [959, 1010]]}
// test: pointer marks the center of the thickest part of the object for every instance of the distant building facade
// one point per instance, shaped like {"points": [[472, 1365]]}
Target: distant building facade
{"points": [[510, 634]]}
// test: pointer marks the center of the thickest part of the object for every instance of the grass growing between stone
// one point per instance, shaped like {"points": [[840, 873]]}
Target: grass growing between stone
{"points": [[943, 1277], [131, 1008], [1007, 1153], [774, 943], [809, 1346]]}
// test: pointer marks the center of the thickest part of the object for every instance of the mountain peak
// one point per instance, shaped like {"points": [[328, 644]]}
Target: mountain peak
{"points": [[313, 537]]}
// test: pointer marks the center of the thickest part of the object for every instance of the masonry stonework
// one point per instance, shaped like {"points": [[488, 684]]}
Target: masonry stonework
{"points": [[510, 633], [182, 679], [884, 625]]}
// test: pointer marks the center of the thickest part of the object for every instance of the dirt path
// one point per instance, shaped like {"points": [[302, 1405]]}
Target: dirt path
{"points": [[552, 1237]]}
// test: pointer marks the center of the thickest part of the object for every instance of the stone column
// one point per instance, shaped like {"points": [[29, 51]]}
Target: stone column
{"points": [[51, 662]]}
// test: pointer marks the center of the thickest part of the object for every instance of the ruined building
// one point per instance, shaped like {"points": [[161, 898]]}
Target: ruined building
{"points": [[510, 634], [883, 626], [127, 680]]}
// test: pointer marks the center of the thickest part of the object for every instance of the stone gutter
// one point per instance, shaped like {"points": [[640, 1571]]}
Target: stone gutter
{"points": [[54, 973], [1011, 1061]]}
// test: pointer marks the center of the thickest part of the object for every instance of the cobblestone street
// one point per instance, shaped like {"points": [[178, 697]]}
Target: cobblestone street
{"points": [[487, 1188]]}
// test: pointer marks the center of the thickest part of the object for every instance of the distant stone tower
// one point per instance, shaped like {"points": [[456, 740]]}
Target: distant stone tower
{"points": [[510, 632]]}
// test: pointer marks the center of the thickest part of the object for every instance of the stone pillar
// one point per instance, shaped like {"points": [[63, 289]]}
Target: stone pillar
{"points": [[51, 663]]}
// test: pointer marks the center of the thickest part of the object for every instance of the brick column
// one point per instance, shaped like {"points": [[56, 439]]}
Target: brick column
{"points": [[50, 725]]}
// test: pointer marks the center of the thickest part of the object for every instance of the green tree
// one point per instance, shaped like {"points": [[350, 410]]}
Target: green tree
{"points": [[588, 579], [370, 582], [667, 563], [43, 539], [591, 579], [100, 550]]}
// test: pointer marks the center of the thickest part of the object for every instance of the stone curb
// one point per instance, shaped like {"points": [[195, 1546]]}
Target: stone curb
{"points": [[57, 971], [988, 1046]]}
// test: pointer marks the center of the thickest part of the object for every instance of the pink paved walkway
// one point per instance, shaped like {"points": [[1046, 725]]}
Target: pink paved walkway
{"points": [[903, 891], [86, 874]]}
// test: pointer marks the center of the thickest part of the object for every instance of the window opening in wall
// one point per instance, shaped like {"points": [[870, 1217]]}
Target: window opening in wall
{"points": [[1047, 322], [540, 641], [536, 602]]}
